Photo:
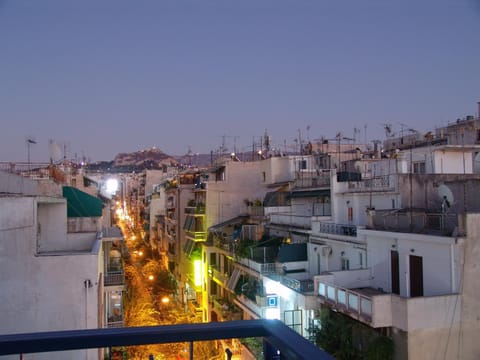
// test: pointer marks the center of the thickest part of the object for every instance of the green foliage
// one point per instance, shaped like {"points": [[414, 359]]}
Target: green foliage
{"points": [[254, 345], [242, 247], [381, 348], [345, 338]]}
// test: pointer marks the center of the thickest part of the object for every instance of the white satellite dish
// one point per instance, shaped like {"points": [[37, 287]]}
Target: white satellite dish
{"points": [[446, 196]]}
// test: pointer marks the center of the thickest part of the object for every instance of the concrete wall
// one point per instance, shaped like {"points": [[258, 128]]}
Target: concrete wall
{"points": [[470, 325], [441, 262], [51, 229], [42, 293], [225, 199], [14, 184]]}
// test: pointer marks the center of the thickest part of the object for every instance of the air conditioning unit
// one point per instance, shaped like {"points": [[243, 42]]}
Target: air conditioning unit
{"points": [[326, 250]]}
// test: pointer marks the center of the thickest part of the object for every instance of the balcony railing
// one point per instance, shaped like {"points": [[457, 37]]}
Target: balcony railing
{"points": [[301, 221], [219, 275], [414, 222], [262, 268], [196, 235], [114, 278], [302, 286], [305, 180], [338, 229], [228, 311], [349, 301], [276, 335], [115, 324], [377, 183]]}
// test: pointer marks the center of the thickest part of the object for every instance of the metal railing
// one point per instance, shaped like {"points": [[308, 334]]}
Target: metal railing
{"points": [[338, 229], [347, 300], [114, 278], [377, 183], [275, 334]]}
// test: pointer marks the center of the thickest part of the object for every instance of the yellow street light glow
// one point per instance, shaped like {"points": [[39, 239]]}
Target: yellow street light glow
{"points": [[140, 253], [151, 277], [165, 300], [197, 271]]}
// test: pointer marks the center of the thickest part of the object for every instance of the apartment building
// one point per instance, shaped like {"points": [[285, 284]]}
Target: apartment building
{"points": [[404, 271], [55, 262]]}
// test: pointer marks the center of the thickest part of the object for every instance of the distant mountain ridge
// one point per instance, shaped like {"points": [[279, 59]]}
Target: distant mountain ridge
{"points": [[152, 158], [148, 158]]}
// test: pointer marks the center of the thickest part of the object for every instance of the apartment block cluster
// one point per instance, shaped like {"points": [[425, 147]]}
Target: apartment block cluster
{"points": [[387, 237]]}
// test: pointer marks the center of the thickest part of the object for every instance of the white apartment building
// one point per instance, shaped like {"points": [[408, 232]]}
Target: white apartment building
{"points": [[52, 264]]}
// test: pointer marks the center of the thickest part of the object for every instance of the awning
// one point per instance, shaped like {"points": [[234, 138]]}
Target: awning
{"points": [[234, 221], [81, 204], [309, 194], [292, 253]]}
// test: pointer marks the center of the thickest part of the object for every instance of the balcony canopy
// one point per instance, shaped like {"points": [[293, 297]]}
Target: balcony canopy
{"points": [[81, 204]]}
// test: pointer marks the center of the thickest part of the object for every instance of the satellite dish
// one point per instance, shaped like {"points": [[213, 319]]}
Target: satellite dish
{"points": [[446, 196]]}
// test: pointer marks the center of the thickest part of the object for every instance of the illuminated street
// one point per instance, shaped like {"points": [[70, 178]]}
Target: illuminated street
{"points": [[151, 298]]}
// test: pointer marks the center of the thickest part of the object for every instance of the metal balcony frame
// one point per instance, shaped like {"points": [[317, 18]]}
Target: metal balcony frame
{"points": [[277, 334]]}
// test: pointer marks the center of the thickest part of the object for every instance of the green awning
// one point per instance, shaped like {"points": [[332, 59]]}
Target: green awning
{"points": [[81, 204], [309, 194], [293, 252]]}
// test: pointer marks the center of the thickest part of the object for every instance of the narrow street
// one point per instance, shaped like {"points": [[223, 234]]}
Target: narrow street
{"points": [[151, 299]]}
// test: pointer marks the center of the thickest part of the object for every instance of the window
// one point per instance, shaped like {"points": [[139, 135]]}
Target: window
{"points": [[293, 319], [419, 167], [302, 164], [345, 264]]}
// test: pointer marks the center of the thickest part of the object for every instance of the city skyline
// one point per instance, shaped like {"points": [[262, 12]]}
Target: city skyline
{"points": [[99, 79]]}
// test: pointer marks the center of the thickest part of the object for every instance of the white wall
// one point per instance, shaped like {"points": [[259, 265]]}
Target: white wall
{"points": [[39, 292], [441, 262]]}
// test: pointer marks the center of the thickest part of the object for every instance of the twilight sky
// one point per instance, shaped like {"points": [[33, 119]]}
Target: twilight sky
{"points": [[103, 77]]}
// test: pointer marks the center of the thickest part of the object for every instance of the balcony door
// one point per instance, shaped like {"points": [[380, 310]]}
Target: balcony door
{"points": [[395, 272], [416, 276]]}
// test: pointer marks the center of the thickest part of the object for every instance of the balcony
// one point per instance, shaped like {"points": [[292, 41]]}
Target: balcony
{"points": [[312, 180], [226, 310], [196, 235], [302, 286], [299, 221], [378, 309], [261, 268], [336, 229], [219, 276], [275, 334], [411, 221], [114, 278], [374, 184], [250, 306]]}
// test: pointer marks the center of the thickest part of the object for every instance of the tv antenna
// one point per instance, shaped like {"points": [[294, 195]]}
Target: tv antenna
{"points": [[29, 141]]}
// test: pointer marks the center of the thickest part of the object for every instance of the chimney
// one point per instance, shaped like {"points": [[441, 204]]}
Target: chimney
{"points": [[478, 111]]}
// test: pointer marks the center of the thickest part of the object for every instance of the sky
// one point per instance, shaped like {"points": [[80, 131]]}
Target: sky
{"points": [[99, 78]]}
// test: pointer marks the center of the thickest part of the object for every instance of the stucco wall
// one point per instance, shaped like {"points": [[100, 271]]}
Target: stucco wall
{"points": [[440, 261]]}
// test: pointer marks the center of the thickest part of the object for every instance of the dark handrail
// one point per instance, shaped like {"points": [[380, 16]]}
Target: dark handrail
{"points": [[291, 344]]}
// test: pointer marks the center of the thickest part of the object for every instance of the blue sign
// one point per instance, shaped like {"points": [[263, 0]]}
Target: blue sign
{"points": [[272, 300]]}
